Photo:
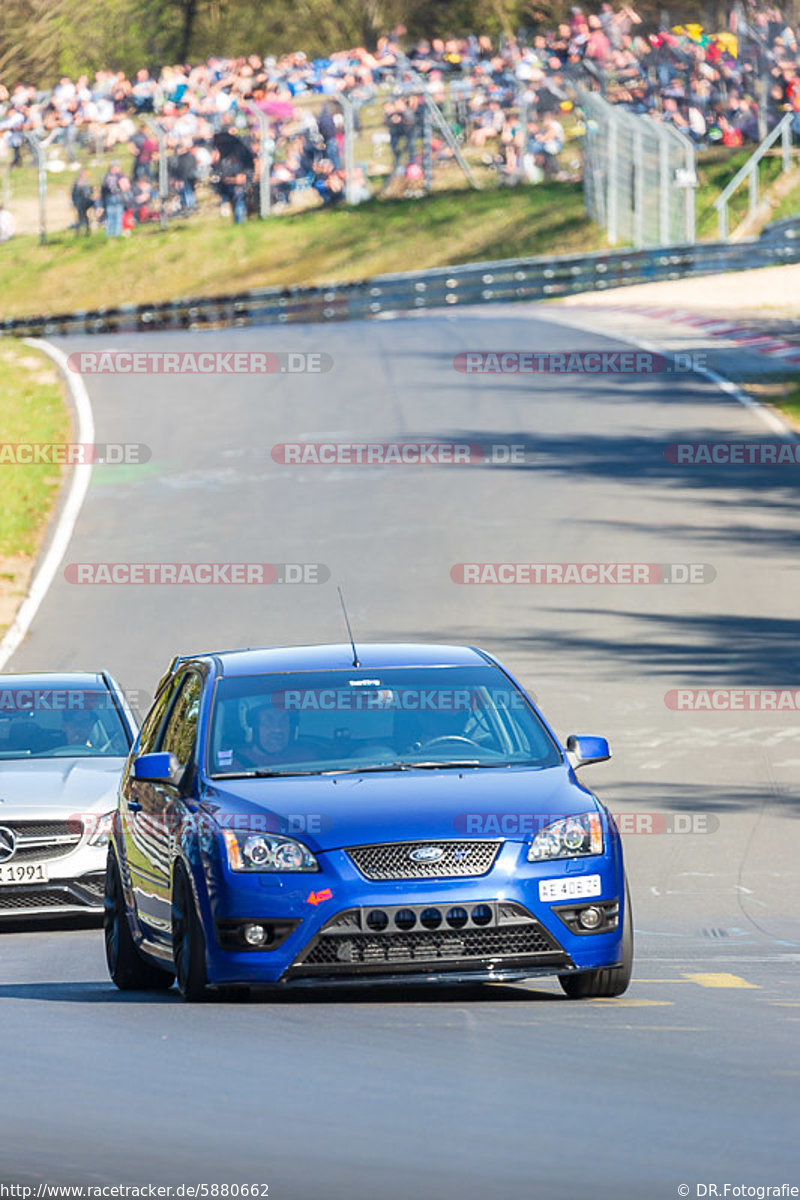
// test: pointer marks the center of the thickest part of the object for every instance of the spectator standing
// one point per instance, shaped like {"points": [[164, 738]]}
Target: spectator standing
{"points": [[113, 200], [83, 200]]}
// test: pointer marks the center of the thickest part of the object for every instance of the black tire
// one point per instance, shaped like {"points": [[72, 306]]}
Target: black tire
{"points": [[126, 966], [188, 942], [608, 981]]}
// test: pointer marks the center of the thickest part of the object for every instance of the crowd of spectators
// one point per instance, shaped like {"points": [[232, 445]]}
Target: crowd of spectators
{"points": [[506, 99]]}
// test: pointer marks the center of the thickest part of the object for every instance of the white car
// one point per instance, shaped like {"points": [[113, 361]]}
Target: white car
{"points": [[64, 739]]}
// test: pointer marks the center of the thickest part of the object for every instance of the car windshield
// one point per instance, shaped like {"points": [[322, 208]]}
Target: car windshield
{"points": [[60, 723], [357, 720]]}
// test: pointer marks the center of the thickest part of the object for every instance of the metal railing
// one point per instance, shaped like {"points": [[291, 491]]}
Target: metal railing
{"points": [[749, 171], [444, 287]]}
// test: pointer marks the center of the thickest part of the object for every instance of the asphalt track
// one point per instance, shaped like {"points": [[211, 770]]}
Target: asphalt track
{"points": [[692, 1078]]}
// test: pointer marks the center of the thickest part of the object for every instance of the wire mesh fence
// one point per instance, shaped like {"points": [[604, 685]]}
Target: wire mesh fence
{"points": [[639, 176]]}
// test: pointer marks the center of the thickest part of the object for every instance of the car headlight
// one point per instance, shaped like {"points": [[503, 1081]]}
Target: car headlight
{"points": [[99, 829], [266, 852], [571, 837]]}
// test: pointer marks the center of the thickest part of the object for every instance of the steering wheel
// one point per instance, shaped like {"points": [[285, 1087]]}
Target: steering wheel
{"points": [[452, 738]]}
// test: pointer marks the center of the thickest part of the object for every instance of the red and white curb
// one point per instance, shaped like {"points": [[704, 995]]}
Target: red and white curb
{"points": [[729, 331]]}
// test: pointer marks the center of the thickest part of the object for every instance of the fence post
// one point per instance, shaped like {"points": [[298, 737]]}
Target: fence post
{"points": [[163, 175], [638, 189], [753, 190], [349, 147], [427, 155], [37, 146], [612, 207], [265, 158], [663, 189]]}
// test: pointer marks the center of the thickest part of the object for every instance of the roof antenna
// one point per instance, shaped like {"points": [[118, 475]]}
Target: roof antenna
{"points": [[356, 663]]}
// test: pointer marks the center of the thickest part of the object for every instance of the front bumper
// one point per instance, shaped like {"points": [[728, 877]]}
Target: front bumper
{"points": [[75, 886], [325, 937]]}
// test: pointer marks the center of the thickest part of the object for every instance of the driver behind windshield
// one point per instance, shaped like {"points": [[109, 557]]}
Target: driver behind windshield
{"points": [[78, 727], [272, 741]]}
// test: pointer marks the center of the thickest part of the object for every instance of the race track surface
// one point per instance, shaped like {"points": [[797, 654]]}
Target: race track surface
{"points": [[499, 1091]]}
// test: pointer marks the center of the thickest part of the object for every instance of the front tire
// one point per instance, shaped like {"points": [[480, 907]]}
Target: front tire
{"points": [[188, 942], [126, 966], [607, 981]]}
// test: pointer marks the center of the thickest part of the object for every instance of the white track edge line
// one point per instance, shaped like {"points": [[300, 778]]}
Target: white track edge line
{"points": [[767, 414], [78, 487]]}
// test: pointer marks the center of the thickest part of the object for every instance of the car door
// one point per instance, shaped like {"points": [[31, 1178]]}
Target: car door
{"points": [[138, 810], [178, 736]]}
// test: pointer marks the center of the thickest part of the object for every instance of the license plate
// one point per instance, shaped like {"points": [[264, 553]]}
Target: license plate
{"points": [[575, 887], [14, 874]]}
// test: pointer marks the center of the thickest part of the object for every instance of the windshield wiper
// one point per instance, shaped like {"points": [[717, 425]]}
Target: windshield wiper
{"points": [[262, 773], [437, 764]]}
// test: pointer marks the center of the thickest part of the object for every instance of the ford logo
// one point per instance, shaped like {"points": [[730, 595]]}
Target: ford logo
{"points": [[426, 854]]}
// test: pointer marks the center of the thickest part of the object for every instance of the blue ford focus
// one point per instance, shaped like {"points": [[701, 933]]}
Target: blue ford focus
{"points": [[389, 814]]}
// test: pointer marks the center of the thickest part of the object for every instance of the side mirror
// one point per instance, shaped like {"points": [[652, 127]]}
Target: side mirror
{"points": [[162, 767], [587, 749]]}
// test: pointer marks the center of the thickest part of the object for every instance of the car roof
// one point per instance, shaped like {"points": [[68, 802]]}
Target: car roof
{"points": [[339, 656], [86, 680]]}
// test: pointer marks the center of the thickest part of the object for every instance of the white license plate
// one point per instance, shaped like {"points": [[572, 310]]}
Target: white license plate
{"points": [[571, 887], [15, 874]]}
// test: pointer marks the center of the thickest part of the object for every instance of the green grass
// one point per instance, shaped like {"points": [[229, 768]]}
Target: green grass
{"points": [[210, 256], [715, 169], [32, 409], [780, 390]]}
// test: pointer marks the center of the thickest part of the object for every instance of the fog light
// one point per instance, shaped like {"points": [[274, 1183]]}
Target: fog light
{"points": [[255, 935], [591, 917], [405, 918], [377, 920]]}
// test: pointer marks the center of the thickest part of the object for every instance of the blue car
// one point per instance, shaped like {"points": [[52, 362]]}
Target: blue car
{"points": [[323, 815]]}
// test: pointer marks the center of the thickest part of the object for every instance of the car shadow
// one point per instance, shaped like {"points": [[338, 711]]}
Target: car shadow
{"points": [[101, 992]]}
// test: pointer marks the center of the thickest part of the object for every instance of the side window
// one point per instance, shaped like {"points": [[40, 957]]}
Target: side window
{"points": [[154, 720], [181, 728]]}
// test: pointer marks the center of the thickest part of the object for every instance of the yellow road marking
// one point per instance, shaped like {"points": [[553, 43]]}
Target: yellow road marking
{"points": [[785, 1003], [720, 979]]}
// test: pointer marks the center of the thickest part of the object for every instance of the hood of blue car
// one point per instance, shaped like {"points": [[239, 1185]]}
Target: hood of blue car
{"points": [[62, 786], [330, 812]]}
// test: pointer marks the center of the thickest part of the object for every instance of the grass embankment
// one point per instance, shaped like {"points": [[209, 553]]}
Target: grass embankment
{"points": [[207, 256], [32, 409], [781, 391]]}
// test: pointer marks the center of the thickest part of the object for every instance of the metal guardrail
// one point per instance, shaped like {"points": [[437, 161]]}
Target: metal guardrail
{"points": [[445, 287]]}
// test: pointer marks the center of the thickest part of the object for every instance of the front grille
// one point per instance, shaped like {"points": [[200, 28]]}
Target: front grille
{"points": [[39, 840], [391, 860], [429, 948], [51, 898], [351, 940]]}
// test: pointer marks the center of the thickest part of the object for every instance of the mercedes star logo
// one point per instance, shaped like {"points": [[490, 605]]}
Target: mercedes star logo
{"points": [[8, 843]]}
